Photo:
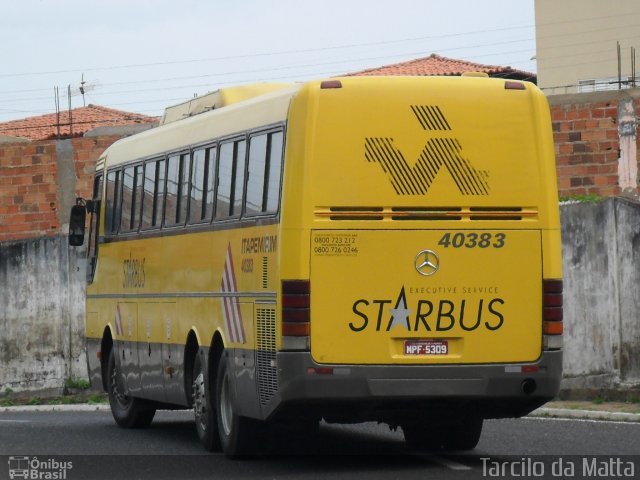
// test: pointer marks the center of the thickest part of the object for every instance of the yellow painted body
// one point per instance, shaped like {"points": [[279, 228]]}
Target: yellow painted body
{"points": [[348, 154], [177, 271]]}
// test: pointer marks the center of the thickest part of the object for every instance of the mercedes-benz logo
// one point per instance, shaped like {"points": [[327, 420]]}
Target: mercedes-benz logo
{"points": [[427, 262]]}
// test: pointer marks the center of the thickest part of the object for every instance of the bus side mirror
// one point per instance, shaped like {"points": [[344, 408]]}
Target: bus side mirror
{"points": [[76, 225]]}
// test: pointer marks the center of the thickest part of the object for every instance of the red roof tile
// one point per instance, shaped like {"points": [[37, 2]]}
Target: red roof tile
{"points": [[437, 65], [82, 119]]}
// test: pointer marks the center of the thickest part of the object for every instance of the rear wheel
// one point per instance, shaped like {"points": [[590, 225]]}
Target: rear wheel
{"points": [[127, 411], [462, 434], [239, 436], [205, 415]]}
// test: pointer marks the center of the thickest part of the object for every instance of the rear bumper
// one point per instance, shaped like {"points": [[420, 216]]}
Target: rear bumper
{"points": [[496, 390]]}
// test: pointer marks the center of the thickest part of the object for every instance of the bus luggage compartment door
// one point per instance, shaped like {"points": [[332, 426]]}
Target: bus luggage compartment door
{"points": [[425, 296]]}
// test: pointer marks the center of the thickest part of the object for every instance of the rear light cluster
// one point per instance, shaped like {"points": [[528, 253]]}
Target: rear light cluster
{"points": [[552, 325], [296, 314]]}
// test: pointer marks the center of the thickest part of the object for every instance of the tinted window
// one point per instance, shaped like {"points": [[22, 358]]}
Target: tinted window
{"points": [[231, 179], [274, 172], [148, 194], [225, 171], [112, 218], [198, 186], [202, 185], [238, 177], [265, 164], [183, 188], [95, 217], [131, 198], [256, 180], [210, 182], [158, 197], [171, 211]]}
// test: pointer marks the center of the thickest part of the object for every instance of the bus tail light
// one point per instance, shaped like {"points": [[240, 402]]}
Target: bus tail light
{"points": [[296, 315], [552, 324]]}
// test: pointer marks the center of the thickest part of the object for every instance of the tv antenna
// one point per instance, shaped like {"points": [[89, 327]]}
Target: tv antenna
{"points": [[82, 89]]}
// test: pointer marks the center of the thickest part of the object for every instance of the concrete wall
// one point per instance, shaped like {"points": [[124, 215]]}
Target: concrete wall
{"points": [[601, 261], [42, 314], [42, 322], [42, 282]]}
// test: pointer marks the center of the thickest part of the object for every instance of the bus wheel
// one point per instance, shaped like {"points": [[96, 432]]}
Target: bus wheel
{"points": [[464, 435], [128, 412], [239, 436], [421, 435], [205, 415]]}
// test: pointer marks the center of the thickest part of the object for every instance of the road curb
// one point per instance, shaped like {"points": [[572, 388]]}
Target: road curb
{"points": [[539, 413], [585, 414]]}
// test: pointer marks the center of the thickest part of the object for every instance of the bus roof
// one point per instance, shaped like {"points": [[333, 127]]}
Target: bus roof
{"points": [[254, 112]]}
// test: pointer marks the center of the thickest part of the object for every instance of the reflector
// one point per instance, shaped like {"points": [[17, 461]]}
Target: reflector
{"points": [[331, 84], [514, 86]]}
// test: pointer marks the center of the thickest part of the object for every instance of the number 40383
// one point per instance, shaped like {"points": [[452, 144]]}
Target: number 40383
{"points": [[473, 240]]}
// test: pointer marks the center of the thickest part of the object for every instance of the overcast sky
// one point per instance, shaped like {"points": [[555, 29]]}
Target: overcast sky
{"points": [[142, 55]]}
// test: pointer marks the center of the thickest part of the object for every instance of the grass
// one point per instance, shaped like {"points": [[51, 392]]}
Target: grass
{"points": [[77, 383], [91, 398], [589, 198]]}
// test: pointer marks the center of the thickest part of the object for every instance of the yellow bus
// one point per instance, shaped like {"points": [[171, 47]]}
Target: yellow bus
{"points": [[353, 249]]}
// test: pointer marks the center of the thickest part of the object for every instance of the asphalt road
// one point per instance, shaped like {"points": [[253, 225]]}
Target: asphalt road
{"points": [[97, 448]]}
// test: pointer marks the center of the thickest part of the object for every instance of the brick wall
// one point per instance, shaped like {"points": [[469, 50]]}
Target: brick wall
{"points": [[35, 201], [28, 198], [31, 195], [587, 143]]}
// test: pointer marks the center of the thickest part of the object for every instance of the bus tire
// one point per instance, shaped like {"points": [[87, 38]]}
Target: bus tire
{"points": [[204, 413], [464, 435], [422, 436], [239, 436], [128, 412]]}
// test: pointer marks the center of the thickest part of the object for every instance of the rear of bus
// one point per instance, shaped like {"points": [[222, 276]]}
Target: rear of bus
{"points": [[421, 268]]}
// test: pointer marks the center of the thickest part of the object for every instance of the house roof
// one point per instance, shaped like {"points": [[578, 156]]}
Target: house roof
{"points": [[80, 121], [438, 65]]}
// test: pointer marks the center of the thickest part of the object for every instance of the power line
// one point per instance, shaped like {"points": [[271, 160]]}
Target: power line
{"points": [[256, 55], [300, 70]]}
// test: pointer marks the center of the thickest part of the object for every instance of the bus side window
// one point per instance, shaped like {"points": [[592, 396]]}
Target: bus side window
{"points": [[175, 208], [150, 171], [198, 186], [127, 199], [173, 181], [94, 229], [137, 198], [131, 198], [265, 164], [240, 159], [203, 171], [112, 218], [183, 188], [256, 182], [159, 190], [225, 172], [210, 182], [274, 172]]}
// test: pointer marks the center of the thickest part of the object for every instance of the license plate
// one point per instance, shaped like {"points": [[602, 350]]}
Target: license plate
{"points": [[426, 347]]}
